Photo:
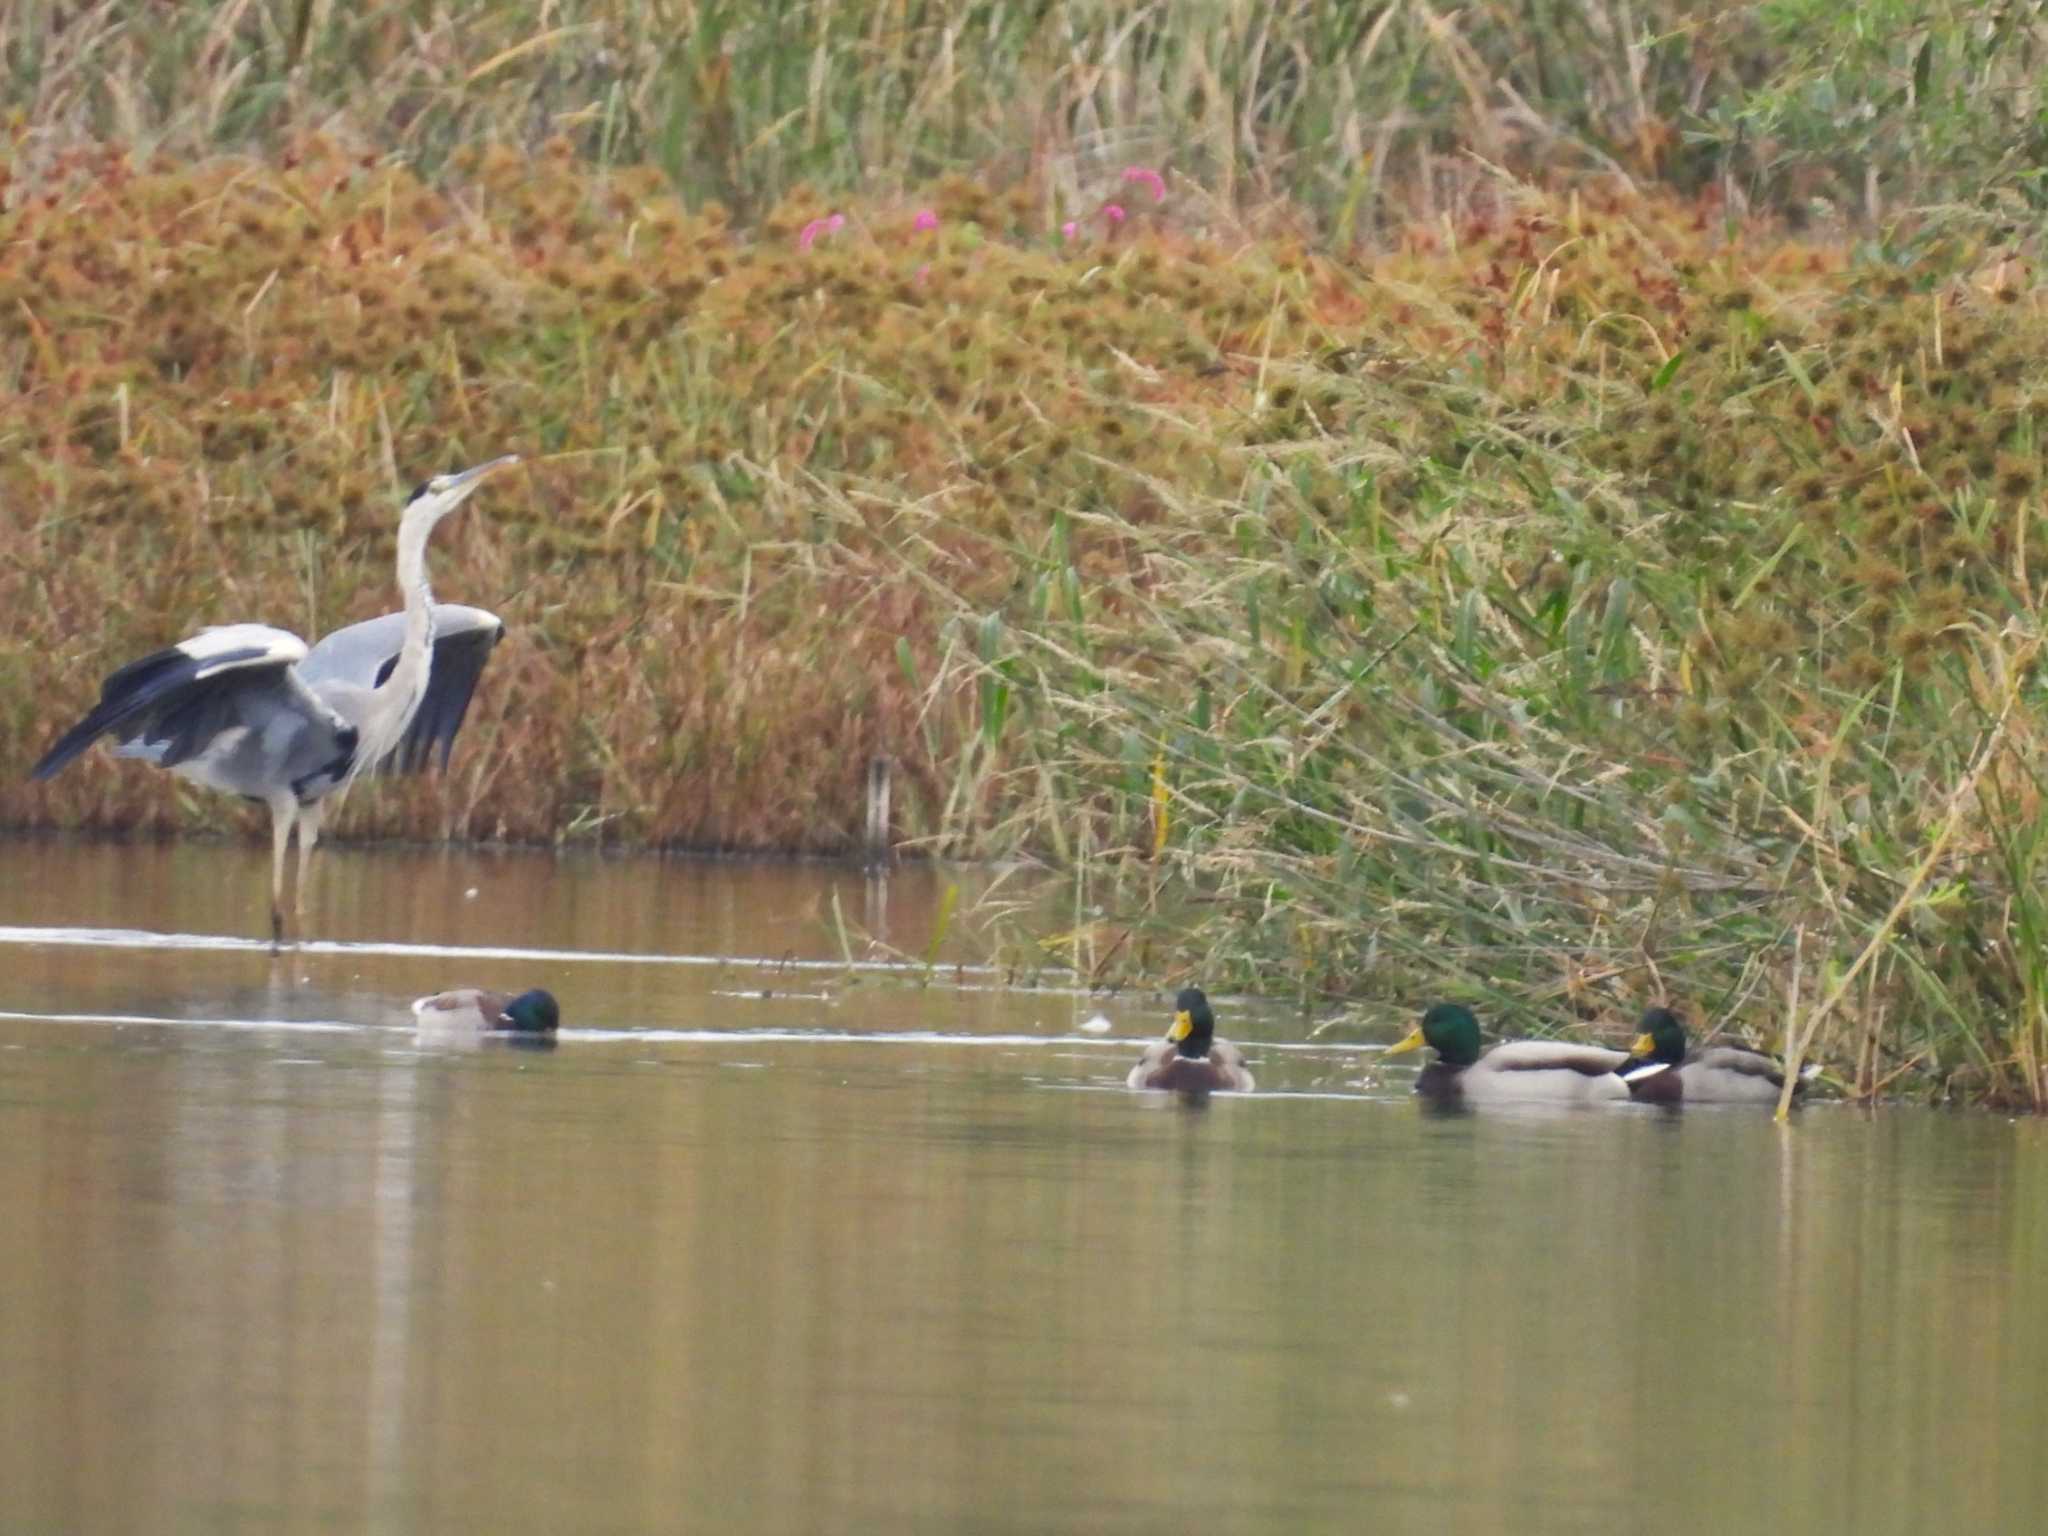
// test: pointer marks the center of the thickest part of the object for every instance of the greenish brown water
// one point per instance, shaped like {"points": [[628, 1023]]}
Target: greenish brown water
{"points": [[859, 1255]]}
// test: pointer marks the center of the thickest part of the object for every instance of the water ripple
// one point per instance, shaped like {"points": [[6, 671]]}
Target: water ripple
{"points": [[137, 938]]}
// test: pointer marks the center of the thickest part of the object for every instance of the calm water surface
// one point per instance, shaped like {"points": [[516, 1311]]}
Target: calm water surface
{"points": [[792, 1249]]}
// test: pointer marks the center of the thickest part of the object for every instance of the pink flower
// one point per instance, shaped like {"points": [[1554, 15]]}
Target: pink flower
{"points": [[926, 219], [817, 227], [1150, 177], [1114, 212], [1070, 230]]}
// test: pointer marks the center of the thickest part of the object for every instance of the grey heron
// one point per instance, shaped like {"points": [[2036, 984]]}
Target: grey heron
{"points": [[250, 710]]}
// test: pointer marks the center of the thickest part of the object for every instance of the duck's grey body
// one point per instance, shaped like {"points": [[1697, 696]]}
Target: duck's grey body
{"points": [[475, 1011], [1721, 1074], [1222, 1070], [1535, 1071]]}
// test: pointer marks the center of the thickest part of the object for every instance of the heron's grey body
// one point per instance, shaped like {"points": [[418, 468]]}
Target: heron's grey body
{"points": [[225, 709], [250, 710], [347, 667], [244, 708]]}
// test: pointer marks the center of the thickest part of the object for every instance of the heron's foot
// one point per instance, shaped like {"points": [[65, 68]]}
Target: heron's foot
{"points": [[276, 929]]}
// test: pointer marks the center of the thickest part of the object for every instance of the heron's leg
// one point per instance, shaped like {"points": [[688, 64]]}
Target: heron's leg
{"points": [[282, 811], [309, 839]]}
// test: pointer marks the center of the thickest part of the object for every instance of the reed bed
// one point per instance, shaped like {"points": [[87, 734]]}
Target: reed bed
{"points": [[1590, 588], [1352, 116]]}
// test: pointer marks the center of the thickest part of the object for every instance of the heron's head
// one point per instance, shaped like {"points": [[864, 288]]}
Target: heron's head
{"points": [[444, 493], [533, 1013]]}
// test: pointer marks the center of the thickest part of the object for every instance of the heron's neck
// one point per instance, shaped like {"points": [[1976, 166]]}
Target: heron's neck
{"points": [[398, 699]]}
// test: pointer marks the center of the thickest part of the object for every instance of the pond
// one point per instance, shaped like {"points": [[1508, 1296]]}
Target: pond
{"points": [[786, 1247]]}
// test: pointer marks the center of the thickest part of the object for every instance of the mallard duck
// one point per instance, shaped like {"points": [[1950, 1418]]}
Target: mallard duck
{"points": [[473, 1009], [1191, 1059], [1519, 1069], [1658, 1070]]}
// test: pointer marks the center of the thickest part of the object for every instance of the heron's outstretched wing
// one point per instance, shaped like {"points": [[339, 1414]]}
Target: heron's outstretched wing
{"points": [[173, 704], [361, 656]]}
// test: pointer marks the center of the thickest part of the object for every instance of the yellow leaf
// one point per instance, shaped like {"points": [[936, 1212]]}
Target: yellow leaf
{"points": [[517, 50], [1162, 818]]}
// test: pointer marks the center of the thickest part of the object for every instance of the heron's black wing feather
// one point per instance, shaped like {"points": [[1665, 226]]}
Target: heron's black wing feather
{"points": [[160, 698], [459, 658]]}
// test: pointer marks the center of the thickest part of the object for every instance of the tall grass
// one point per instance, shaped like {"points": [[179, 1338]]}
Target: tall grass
{"points": [[1315, 106], [1566, 672]]}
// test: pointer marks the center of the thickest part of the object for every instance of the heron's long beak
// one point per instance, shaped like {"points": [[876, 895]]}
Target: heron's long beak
{"points": [[470, 479], [1412, 1041], [1642, 1046], [1183, 1025]]}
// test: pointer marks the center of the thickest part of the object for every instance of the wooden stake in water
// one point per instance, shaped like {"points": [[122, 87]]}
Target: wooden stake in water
{"points": [[878, 810]]}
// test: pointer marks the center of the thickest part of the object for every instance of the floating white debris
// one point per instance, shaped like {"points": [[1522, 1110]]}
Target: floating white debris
{"points": [[470, 894], [1095, 1026]]}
